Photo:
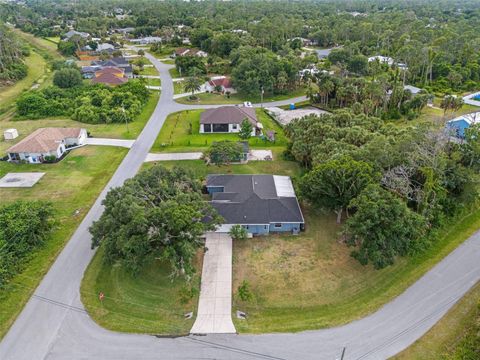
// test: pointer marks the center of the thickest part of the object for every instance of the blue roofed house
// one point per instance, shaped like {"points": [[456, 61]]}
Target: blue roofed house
{"points": [[260, 203], [456, 127]]}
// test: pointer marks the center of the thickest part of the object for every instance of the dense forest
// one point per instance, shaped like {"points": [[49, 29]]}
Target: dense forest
{"points": [[12, 53], [437, 40]]}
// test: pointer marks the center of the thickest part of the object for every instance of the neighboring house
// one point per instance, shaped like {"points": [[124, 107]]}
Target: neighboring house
{"points": [[382, 59], [188, 52], [313, 71], [105, 47], [260, 203], [147, 40], [222, 83], [73, 33], [413, 89], [118, 62], [124, 31], [45, 142], [227, 119], [88, 72], [323, 53], [456, 127], [110, 75]]}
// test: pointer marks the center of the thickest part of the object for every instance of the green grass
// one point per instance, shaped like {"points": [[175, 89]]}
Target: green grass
{"points": [[311, 282], [72, 184], [117, 131], [37, 68], [175, 135], [151, 70], [168, 61], [198, 167], [150, 302], [209, 98], [174, 73], [443, 339], [154, 82], [178, 87], [54, 39]]}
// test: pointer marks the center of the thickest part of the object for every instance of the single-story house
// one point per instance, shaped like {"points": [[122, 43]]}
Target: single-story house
{"points": [[147, 40], [382, 59], [88, 72], [413, 89], [456, 127], [105, 47], [227, 119], [45, 142], [223, 83], [119, 62], [188, 52], [260, 203], [73, 33], [110, 75]]}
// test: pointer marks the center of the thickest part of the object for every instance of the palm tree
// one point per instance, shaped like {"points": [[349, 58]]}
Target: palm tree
{"points": [[192, 84]]}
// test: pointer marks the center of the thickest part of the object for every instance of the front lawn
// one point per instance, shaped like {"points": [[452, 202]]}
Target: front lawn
{"points": [[174, 73], [72, 185], [178, 87], [310, 281], [180, 133], [116, 131], [150, 302], [149, 70], [211, 98]]}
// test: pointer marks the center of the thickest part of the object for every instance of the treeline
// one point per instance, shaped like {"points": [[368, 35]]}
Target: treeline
{"points": [[93, 104], [394, 185], [24, 227], [12, 53]]}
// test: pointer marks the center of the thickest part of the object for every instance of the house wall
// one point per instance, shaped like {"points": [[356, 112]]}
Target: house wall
{"points": [[257, 229], [286, 227], [458, 127]]}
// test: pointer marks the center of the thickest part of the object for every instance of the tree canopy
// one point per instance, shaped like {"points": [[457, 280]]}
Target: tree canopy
{"points": [[158, 213]]}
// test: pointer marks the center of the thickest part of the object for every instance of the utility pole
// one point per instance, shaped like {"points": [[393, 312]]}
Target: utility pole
{"points": [[261, 96]]}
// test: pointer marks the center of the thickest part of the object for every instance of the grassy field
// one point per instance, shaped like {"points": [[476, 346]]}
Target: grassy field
{"points": [[178, 87], [311, 282], [174, 73], [72, 185], [150, 70], [118, 131], [154, 82], [37, 69], [443, 339], [150, 302], [209, 98], [175, 134]]}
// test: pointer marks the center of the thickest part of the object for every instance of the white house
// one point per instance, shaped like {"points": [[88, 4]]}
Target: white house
{"points": [[221, 83], [46, 142], [10, 134], [382, 59], [228, 119]]}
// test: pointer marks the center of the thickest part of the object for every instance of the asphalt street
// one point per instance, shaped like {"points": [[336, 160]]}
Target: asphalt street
{"points": [[54, 324]]}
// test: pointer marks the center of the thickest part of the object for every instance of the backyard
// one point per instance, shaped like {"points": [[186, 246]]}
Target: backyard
{"points": [[180, 133], [72, 184]]}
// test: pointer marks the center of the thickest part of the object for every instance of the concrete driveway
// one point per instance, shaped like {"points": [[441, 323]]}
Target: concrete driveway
{"points": [[173, 156], [215, 303], [110, 142]]}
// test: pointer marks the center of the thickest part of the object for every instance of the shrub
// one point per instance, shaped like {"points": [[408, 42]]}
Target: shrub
{"points": [[238, 232], [244, 292]]}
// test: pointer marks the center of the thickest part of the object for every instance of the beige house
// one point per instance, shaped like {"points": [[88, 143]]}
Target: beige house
{"points": [[46, 142], [228, 119]]}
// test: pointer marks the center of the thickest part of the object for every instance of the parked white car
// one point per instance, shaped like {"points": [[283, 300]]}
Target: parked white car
{"points": [[247, 104]]}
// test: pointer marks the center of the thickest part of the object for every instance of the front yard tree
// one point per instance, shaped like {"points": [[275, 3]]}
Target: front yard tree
{"points": [[334, 183], [192, 84], [223, 152], [246, 129], [382, 227], [159, 213]]}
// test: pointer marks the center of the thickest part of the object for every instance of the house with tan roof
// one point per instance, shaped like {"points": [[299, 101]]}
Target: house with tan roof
{"points": [[110, 75], [45, 143], [189, 52], [228, 119]]}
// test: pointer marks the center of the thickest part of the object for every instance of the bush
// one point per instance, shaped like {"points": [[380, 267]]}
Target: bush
{"points": [[244, 292], [67, 78], [238, 232]]}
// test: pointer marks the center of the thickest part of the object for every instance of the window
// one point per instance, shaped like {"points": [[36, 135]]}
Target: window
{"points": [[278, 225], [234, 127], [220, 128], [207, 128]]}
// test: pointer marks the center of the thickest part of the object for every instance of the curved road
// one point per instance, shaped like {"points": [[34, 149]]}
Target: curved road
{"points": [[54, 324]]}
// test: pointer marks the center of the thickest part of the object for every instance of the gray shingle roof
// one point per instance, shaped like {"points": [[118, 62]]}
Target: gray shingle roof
{"points": [[228, 115], [252, 199]]}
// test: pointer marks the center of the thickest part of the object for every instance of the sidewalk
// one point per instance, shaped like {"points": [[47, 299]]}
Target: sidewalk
{"points": [[215, 303]]}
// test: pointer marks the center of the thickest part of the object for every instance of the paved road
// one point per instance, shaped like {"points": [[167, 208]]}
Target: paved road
{"points": [[214, 314], [54, 324]]}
